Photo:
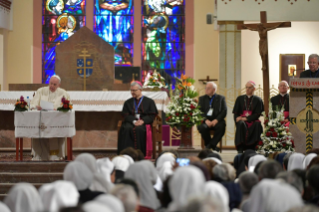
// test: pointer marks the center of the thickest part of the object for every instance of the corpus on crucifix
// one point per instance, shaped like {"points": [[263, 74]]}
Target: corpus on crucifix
{"points": [[262, 29]]}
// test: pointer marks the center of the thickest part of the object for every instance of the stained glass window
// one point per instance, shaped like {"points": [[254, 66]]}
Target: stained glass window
{"points": [[60, 20], [163, 37], [114, 22]]}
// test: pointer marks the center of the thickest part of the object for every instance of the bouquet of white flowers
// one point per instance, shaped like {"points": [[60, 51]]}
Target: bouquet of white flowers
{"points": [[276, 136]]}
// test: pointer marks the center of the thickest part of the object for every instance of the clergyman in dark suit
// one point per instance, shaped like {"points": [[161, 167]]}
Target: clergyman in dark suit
{"points": [[313, 63], [214, 109]]}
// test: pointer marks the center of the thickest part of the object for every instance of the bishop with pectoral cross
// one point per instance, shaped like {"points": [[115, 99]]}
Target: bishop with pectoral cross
{"points": [[247, 110]]}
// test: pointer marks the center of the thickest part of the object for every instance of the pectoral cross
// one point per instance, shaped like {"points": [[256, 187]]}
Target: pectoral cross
{"points": [[262, 29], [84, 55]]}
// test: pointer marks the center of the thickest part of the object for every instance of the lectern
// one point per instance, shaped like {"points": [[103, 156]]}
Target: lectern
{"points": [[303, 113]]}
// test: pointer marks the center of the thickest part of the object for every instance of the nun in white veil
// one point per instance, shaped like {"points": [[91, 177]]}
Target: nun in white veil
{"points": [[110, 201], [218, 192], [101, 170], [308, 159], [164, 165], [187, 182], [273, 195], [82, 177], [58, 194], [145, 175], [295, 161], [23, 197]]}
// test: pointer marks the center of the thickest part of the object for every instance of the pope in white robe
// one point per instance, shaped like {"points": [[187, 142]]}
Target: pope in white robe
{"points": [[52, 148]]}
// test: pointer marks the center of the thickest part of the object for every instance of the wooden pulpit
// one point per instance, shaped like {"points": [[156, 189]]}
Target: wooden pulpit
{"points": [[304, 113]]}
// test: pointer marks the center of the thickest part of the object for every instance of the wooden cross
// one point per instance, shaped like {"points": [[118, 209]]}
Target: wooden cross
{"points": [[262, 29], [84, 55], [207, 80]]}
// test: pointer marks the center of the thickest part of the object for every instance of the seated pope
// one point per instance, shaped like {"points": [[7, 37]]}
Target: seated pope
{"points": [[139, 113], [247, 110], [281, 101], [52, 148]]}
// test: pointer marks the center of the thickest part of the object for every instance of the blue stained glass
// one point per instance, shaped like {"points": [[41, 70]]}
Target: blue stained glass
{"points": [[60, 20], [163, 33], [114, 22]]}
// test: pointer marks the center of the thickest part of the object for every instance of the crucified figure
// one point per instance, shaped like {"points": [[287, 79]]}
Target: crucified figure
{"points": [[263, 43]]}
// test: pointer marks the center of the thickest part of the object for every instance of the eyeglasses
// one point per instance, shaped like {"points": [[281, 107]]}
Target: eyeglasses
{"points": [[134, 90], [251, 87]]}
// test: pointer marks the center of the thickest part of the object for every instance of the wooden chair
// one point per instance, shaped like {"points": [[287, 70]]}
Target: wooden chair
{"points": [[156, 134], [220, 142]]}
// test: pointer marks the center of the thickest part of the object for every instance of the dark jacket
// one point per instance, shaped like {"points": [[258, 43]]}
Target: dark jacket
{"points": [[306, 74], [219, 106]]}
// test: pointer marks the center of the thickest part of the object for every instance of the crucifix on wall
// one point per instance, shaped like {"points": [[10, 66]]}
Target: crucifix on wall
{"points": [[262, 29]]}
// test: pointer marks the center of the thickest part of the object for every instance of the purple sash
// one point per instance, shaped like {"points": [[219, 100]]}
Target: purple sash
{"points": [[247, 113], [149, 142]]}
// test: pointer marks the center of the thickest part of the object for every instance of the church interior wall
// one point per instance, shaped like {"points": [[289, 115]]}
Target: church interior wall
{"points": [[299, 39], [20, 42], [206, 51]]}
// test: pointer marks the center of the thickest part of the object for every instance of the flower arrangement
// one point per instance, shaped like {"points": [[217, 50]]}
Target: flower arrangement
{"points": [[183, 109], [21, 105], [65, 105], [154, 80], [276, 136]]}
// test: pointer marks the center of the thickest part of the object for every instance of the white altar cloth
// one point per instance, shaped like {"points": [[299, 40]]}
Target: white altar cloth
{"points": [[44, 124], [89, 100]]}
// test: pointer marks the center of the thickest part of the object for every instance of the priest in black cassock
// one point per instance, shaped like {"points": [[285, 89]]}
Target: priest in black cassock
{"points": [[247, 111], [282, 99], [313, 63], [214, 111], [138, 112]]}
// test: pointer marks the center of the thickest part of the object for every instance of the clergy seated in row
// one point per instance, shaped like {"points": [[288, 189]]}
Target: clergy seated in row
{"points": [[313, 63], [214, 109], [247, 111], [139, 113], [49, 148], [281, 101]]}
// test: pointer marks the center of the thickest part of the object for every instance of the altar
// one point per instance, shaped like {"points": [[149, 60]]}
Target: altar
{"points": [[96, 116]]}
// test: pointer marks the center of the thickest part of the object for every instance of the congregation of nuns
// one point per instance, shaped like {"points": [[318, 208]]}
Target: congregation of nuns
{"points": [[127, 183]]}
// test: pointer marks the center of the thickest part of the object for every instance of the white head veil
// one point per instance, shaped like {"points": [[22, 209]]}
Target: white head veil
{"points": [[145, 175], [273, 195], [101, 171], [129, 158], [164, 165], [4, 208], [79, 174], [58, 194], [295, 161], [218, 192], [254, 160], [187, 182], [214, 159], [307, 160], [93, 206], [110, 201], [23, 197], [121, 163]]}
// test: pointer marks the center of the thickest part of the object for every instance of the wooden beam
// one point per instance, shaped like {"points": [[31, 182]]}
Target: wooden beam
{"points": [[267, 25], [263, 17]]}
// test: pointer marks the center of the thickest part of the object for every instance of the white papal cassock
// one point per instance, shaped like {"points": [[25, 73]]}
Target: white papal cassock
{"points": [[52, 148]]}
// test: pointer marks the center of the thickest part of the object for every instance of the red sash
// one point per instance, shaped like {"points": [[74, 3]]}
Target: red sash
{"points": [[149, 142], [286, 114]]}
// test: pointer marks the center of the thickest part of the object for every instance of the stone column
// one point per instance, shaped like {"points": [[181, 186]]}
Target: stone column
{"points": [[229, 72], [3, 58]]}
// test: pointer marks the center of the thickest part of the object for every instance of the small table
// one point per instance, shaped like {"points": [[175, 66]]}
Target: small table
{"points": [[44, 124]]}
